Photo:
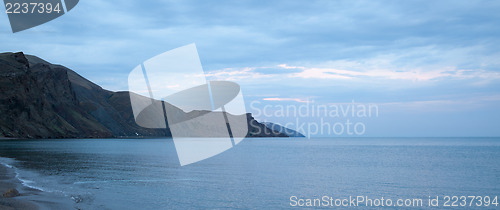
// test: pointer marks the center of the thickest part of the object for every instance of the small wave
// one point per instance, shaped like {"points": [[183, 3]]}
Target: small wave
{"points": [[7, 165], [7, 162], [29, 183], [131, 180]]}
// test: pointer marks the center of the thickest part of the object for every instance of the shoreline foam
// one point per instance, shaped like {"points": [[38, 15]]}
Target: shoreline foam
{"points": [[30, 197]]}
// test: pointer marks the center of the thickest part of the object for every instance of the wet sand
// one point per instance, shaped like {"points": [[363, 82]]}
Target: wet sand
{"points": [[29, 198]]}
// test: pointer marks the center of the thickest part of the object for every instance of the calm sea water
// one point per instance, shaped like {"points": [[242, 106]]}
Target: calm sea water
{"points": [[257, 173]]}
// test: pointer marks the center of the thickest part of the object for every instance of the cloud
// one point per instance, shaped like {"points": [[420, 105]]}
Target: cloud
{"points": [[236, 74], [117, 35], [287, 99], [362, 72], [388, 74], [475, 103]]}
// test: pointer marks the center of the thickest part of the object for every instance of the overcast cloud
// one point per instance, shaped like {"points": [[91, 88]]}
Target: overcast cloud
{"points": [[422, 56]]}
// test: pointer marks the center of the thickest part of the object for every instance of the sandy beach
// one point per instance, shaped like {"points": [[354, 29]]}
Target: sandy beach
{"points": [[28, 198]]}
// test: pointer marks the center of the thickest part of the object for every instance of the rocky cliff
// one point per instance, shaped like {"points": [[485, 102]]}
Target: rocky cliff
{"points": [[42, 100]]}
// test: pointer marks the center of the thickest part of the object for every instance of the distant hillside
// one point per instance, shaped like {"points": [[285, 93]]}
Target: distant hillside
{"points": [[43, 100], [281, 129]]}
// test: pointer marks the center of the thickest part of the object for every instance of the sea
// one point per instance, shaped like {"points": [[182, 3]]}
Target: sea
{"points": [[264, 173]]}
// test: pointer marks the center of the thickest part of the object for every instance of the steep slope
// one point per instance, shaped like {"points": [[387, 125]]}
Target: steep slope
{"points": [[38, 101]]}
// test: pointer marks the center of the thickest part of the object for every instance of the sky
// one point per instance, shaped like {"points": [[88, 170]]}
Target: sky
{"points": [[431, 67]]}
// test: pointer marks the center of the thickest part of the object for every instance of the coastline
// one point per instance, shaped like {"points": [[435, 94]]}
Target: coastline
{"points": [[28, 198]]}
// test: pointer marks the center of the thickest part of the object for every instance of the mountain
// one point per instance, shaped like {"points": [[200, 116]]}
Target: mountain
{"points": [[281, 129], [44, 100]]}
